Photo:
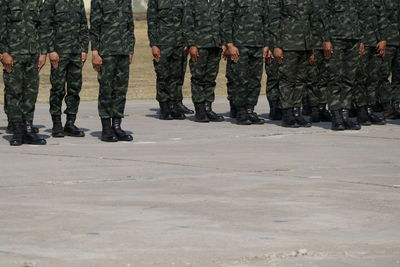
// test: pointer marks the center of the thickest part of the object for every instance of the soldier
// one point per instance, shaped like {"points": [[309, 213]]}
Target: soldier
{"points": [[342, 47], [113, 41], [367, 79], [23, 51], [387, 90], [202, 34], [68, 41], [291, 26], [165, 32], [244, 33]]}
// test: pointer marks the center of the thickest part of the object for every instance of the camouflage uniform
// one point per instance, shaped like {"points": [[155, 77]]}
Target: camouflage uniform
{"points": [[21, 35], [112, 35], [244, 24], [202, 29], [164, 18], [272, 90], [68, 36]]}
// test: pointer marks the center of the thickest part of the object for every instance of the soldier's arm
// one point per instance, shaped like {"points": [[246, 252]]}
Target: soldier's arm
{"points": [[132, 32], [84, 31], [228, 21], [188, 24], [2, 26], [152, 22], [95, 24], [382, 19], [274, 23], [46, 28]]}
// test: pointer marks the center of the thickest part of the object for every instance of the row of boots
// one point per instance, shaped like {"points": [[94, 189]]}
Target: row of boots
{"points": [[245, 115], [24, 133]]}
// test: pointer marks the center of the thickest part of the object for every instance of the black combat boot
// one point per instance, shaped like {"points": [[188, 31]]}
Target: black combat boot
{"points": [[253, 117], [315, 114], [119, 133], [107, 135], [57, 131], [10, 128], [388, 111], [165, 113], [176, 113], [233, 110], [288, 119], [200, 114], [212, 116], [396, 107], [300, 119], [349, 124], [30, 137], [184, 109], [362, 116], [242, 118], [324, 114], [337, 121], [275, 112], [70, 128], [375, 118], [18, 134]]}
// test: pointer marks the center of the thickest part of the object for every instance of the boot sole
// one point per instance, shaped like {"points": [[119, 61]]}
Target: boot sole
{"points": [[74, 135]]}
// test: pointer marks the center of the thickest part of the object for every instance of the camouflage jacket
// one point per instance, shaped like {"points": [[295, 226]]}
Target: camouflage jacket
{"points": [[294, 24], [112, 27], [392, 8], [245, 23], [202, 20], [21, 28], [66, 25], [165, 20], [374, 22]]}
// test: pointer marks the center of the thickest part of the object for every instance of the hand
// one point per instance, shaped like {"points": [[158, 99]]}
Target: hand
{"points": [[233, 52], [42, 62], [311, 59], [328, 49], [54, 60], [186, 50], [362, 49], [266, 53], [84, 58], [381, 48], [97, 61], [8, 62], [194, 53], [156, 53], [130, 59], [278, 54], [223, 52]]}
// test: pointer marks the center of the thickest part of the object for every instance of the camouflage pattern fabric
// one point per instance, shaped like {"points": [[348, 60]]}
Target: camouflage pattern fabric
{"points": [[164, 20], [229, 80], [392, 32], [246, 76], [112, 27], [317, 86], [272, 90], [113, 79], [387, 89], [21, 87], [169, 74], [66, 26], [204, 73], [182, 79], [66, 82]]}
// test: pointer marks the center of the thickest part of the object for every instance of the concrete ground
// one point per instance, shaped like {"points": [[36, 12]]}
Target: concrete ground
{"points": [[189, 194]]}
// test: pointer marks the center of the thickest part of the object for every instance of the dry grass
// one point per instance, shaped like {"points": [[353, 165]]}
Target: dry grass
{"points": [[142, 78]]}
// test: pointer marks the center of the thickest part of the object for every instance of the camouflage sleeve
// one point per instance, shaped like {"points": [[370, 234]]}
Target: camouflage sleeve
{"points": [[95, 24], [132, 31], [46, 29], [152, 22], [42, 28], [362, 19], [325, 17], [2, 26], [274, 23], [318, 28], [228, 21], [84, 31], [267, 41], [188, 24], [382, 20]]}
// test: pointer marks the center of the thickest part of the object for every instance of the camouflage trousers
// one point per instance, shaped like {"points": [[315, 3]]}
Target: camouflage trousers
{"points": [[169, 72], [341, 73], [272, 89], [182, 80], [292, 78], [229, 79], [390, 90], [315, 89], [66, 84], [367, 78], [246, 76], [21, 88], [113, 80], [204, 74]]}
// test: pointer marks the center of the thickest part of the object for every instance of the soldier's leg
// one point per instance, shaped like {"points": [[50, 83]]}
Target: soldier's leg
{"points": [[360, 87], [272, 91], [181, 106], [302, 81], [254, 74], [72, 99], [384, 93], [396, 83], [320, 86], [229, 87]]}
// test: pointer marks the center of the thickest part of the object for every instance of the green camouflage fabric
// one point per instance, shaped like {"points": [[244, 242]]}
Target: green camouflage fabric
{"points": [[392, 33], [169, 72], [182, 79], [164, 20], [272, 89], [245, 23], [66, 82], [316, 92], [229, 80], [21, 87], [66, 26], [246, 76], [388, 89], [204, 73], [112, 27], [201, 23], [396, 78], [113, 80]]}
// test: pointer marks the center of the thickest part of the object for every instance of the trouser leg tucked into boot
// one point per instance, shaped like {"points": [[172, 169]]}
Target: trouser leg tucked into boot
{"points": [[200, 113], [337, 121], [18, 133], [70, 128], [253, 117], [212, 116], [165, 113], [119, 133], [107, 134], [30, 137], [324, 114], [349, 124], [57, 130], [300, 119], [288, 119], [176, 113], [242, 117]]}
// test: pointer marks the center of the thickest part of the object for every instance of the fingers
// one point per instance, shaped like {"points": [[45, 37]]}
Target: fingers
{"points": [[156, 57], [54, 64], [8, 67]]}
